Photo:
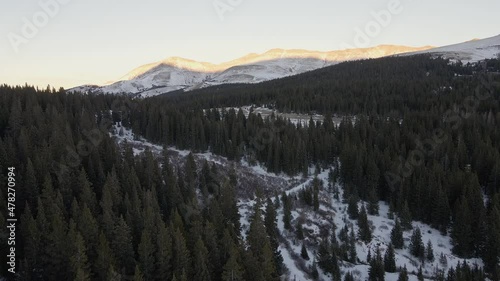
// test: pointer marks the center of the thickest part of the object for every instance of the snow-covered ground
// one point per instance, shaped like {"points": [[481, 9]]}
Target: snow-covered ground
{"points": [[470, 51], [331, 211]]}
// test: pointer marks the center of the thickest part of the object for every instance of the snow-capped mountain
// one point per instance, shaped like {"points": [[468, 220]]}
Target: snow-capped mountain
{"points": [[470, 51], [179, 73]]}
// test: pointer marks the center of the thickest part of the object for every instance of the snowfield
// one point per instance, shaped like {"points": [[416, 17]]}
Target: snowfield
{"points": [[471, 51]]}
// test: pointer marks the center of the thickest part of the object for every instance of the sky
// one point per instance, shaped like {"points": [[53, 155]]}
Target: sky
{"points": [[67, 43]]}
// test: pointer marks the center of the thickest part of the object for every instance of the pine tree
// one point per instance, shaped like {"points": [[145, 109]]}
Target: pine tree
{"points": [[405, 217], [390, 259], [189, 177], [200, 262], [352, 208], [57, 248], [397, 235], [30, 190], [287, 211], [303, 252], [376, 271], [316, 186], [417, 247], [491, 254], [420, 274], [353, 256], [218, 252], [429, 251], [364, 233], [146, 251], [86, 195], [232, 269], [299, 231], [268, 263], [164, 253], [373, 202], [443, 260], [78, 260], [461, 232], [403, 275], [253, 270], [327, 260], [32, 237], [122, 246], [273, 232], [348, 277], [105, 259], [88, 227], [181, 257]]}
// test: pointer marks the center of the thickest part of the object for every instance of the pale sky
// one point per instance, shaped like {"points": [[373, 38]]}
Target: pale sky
{"points": [[77, 42]]}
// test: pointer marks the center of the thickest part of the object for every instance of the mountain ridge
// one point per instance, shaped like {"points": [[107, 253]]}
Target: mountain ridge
{"points": [[176, 73]]}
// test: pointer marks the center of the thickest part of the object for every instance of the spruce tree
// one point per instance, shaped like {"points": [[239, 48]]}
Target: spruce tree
{"points": [[403, 275], [364, 233], [232, 269], [491, 254], [348, 277], [273, 232], [287, 211], [397, 235], [417, 247], [429, 251], [390, 259], [405, 217], [122, 246], [299, 231], [376, 271], [200, 262], [268, 265], [78, 260], [461, 232], [146, 250], [316, 187], [352, 208], [57, 249], [353, 255], [303, 252], [105, 259], [181, 255], [164, 253], [31, 235], [88, 227], [420, 274], [373, 202]]}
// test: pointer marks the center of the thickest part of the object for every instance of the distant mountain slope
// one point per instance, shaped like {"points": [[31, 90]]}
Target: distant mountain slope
{"points": [[179, 73], [470, 51]]}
